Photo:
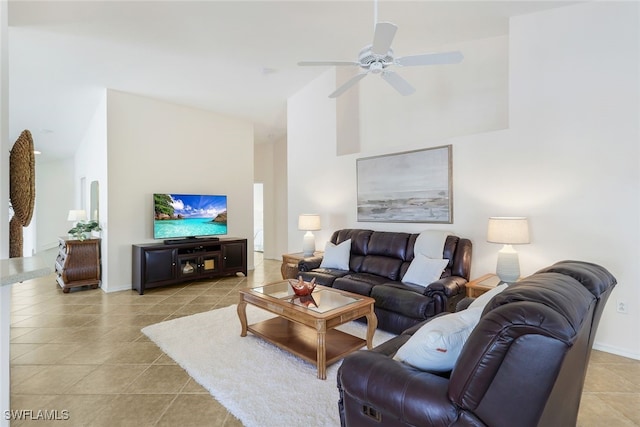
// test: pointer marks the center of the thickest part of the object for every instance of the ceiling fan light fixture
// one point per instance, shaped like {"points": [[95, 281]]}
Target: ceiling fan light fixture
{"points": [[376, 67]]}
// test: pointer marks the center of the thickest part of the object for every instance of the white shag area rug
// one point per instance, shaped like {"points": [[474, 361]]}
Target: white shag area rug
{"points": [[256, 381]]}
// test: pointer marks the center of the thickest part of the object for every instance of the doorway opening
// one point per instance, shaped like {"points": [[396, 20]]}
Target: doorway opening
{"points": [[258, 217]]}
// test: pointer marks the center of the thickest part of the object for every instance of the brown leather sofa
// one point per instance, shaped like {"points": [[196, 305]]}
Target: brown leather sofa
{"points": [[523, 365], [378, 261]]}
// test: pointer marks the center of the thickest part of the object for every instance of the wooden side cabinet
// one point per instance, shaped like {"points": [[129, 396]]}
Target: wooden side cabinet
{"points": [[482, 284], [78, 263], [160, 264]]}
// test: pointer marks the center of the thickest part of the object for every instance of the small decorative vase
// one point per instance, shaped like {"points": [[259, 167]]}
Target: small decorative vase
{"points": [[188, 268]]}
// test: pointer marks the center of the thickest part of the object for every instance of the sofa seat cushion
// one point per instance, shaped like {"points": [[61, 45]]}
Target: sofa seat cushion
{"points": [[323, 276], [359, 283], [405, 299]]}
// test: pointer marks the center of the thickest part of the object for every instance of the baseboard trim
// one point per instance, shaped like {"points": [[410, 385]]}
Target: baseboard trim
{"points": [[118, 289], [616, 350]]}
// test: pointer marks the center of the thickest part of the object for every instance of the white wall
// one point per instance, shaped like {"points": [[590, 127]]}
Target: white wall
{"points": [[58, 182], [280, 199], [569, 160], [574, 110], [155, 146], [90, 160], [450, 100], [54, 197], [270, 163], [318, 181], [90, 163]]}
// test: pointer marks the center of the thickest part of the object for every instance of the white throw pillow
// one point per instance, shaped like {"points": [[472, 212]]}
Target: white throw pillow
{"points": [[437, 344], [484, 299], [423, 270], [336, 256]]}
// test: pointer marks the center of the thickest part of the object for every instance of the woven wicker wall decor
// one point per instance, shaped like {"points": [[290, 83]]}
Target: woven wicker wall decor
{"points": [[22, 189], [15, 238]]}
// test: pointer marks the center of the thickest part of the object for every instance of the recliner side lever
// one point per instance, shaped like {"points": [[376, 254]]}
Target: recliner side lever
{"points": [[371, 413]]}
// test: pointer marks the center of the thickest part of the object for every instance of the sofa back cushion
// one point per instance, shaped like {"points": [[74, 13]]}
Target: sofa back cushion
{"points": [[385, 254], [359, 244], [389, 254], [456, 250]]}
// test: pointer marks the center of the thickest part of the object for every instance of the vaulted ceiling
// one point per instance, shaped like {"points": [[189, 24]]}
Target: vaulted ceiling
{"points": [[233, 57]]}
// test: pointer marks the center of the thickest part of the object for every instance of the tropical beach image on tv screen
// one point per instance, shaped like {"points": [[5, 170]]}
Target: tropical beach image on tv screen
{"points": [[189, 215]]}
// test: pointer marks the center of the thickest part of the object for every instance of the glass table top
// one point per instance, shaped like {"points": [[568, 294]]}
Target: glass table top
{"points": [[321, 300]]}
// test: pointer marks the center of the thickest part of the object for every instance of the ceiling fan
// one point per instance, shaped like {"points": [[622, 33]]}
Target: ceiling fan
{"points": [[378, 57]]}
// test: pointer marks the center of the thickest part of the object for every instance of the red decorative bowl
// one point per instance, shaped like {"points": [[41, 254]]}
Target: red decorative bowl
{"points": [[302, 288]]}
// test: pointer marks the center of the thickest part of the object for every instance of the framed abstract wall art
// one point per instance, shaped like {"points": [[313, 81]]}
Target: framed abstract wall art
{"points": [[413, 186]]}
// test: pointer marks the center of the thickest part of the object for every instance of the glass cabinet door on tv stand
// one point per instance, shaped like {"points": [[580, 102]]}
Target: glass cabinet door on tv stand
{"points": [[198, 265]]}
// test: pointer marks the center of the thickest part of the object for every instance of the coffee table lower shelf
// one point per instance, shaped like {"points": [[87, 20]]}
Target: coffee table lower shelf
{"points": [[307, 333], [303, 341]]}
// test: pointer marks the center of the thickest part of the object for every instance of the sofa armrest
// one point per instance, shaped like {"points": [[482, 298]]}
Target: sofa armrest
{"points": [[309, 263], [449, 286], [391, 389], [446, 292]]}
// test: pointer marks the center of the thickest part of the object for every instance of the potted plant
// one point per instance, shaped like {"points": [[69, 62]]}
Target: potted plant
{"points": [[82, 230]]}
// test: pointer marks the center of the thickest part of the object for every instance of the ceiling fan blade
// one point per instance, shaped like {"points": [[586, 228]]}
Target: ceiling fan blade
{"points": [[398, 83], [325, 63], [351, 82], [382, 38], [430, 59]]}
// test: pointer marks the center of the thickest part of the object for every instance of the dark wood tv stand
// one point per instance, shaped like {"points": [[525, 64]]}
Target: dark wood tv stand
{"points": [[162, 264]]}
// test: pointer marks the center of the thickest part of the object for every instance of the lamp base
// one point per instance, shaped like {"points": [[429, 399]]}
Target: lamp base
{"points": [[508, 268], [308, 244]]}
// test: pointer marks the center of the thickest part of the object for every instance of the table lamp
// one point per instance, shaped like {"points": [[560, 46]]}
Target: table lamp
{"points": [[76, 215], [508, 231], [309, 223]]}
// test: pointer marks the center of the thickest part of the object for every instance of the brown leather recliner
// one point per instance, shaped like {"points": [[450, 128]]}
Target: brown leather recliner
{"points": [[523, 365], [377, 262]]}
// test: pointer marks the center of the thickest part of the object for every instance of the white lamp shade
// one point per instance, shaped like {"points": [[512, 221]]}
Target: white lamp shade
{"points": [[508, 230], [309, 222], [77, 215]]}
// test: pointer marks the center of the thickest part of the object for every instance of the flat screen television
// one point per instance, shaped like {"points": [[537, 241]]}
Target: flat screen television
{"points": [[189, 215]]}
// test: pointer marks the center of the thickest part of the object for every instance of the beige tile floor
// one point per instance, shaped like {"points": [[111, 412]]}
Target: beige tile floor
{"points": [[83, 352]]}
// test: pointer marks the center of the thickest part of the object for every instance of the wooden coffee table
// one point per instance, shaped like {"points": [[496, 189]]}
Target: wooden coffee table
{"points": [[304, 326]]}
